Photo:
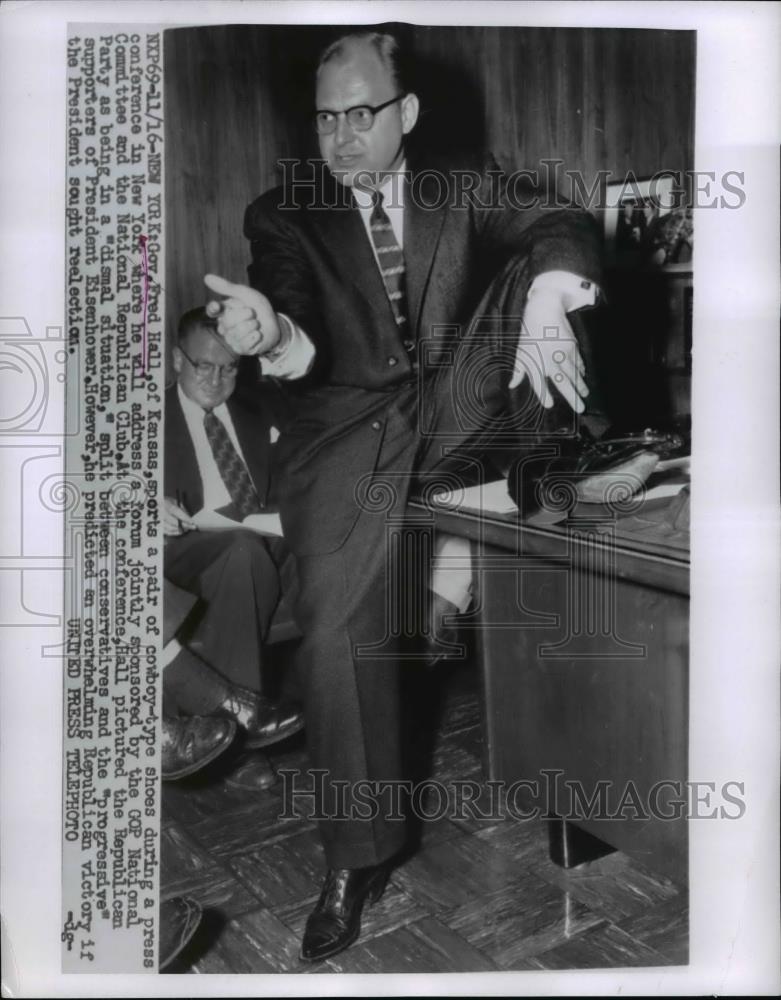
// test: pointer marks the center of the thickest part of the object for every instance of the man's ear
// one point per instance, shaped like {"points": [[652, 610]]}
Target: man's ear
{"points": [[176, 358], [410, 108]]}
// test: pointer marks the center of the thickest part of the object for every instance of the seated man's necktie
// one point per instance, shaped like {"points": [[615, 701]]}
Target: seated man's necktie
{"points": [[232, 469], [391, 259]]}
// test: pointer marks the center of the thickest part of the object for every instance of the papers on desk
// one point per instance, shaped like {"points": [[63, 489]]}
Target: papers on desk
{"points": [[490, 498], [664, 490], [263, 524], [683, 462]]}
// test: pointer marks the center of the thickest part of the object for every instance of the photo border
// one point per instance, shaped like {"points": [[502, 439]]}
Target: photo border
{"points": [[736, 539]]}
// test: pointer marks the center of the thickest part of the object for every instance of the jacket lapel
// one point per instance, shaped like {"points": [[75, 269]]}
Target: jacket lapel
{"points": [[181, 465], [422, 230], [342, 230]]}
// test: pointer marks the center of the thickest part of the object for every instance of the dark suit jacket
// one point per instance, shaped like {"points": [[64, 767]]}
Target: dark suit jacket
{"points": [[181, 467], [312, 258]]}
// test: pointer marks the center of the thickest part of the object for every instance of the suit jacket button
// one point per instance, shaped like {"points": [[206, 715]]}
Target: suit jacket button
{"points": [[393, 361], [376, 425]]}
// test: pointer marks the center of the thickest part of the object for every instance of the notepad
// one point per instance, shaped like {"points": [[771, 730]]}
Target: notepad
{"points": [[263, 524]]}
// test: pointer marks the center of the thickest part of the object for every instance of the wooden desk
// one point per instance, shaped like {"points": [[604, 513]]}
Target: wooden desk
{"points": [[582, 630]]}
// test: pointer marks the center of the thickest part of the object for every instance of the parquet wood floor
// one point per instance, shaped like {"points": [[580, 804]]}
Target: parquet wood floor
{"points": [[475, 895]]}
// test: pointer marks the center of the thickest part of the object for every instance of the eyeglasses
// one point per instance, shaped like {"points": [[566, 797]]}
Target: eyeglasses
{"points": [[360, 118], [205, 369]]}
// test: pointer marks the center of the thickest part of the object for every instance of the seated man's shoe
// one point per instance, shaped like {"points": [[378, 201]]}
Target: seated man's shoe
{"points": [[254, 773], [264, 722], [190, 744], [442, 633], [179, 919], [335, 922]]}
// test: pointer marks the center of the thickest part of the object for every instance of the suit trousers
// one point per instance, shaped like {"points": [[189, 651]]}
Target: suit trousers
{"points": [[359, 606], [185, 675], [237, 576]]}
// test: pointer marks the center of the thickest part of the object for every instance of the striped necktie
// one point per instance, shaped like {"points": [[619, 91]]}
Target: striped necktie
{"points": [[231, 468], [391, 259]]}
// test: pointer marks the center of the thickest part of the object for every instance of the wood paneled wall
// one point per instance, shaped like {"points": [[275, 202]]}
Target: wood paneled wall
{"points": [[237, 99]]}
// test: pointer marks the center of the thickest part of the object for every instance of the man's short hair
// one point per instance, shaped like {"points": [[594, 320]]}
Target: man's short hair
{"points": [[386, 46], [192, 320]]}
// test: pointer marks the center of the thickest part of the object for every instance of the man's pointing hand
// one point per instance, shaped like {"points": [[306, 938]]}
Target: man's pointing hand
{"points": [[245, 317]]}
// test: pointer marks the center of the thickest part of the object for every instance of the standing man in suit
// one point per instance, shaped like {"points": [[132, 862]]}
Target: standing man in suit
{"points": [[218, 458], [383, 296]]}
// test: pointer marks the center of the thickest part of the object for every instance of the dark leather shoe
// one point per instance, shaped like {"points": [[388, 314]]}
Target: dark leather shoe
{"points": [[253, 774], [190, 744], [442, 637], [179, 919], [264, 722], [335, 922]]}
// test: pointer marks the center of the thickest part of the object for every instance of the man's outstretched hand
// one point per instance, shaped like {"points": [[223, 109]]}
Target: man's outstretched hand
{"points": [[547, 349], [245, 317]]}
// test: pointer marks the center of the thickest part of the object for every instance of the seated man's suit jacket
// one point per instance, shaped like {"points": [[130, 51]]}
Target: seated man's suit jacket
{"points": [[252, 423], [311, 256], [239, 576]]}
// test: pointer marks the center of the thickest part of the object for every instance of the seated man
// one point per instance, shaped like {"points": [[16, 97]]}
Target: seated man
{"points": [[217, 459]]}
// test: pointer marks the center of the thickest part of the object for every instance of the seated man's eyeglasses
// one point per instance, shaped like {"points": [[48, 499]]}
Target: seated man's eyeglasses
{"points": [[205, 369], [360, 118]]}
